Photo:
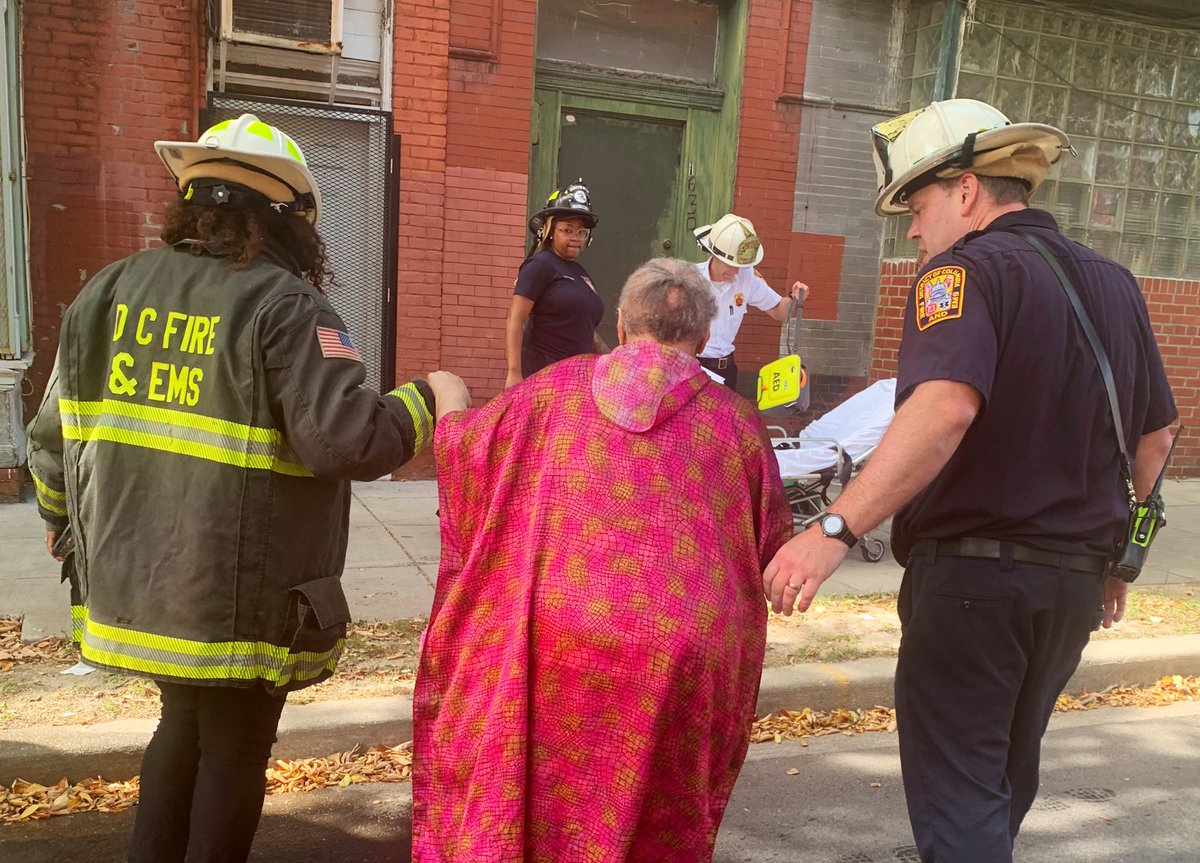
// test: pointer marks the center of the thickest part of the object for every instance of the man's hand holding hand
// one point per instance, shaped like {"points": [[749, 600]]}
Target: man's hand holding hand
{"points": [[798, 570]]}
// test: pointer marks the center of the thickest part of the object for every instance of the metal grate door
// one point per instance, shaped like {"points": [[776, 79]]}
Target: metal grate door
{"points": [[350, 153]]}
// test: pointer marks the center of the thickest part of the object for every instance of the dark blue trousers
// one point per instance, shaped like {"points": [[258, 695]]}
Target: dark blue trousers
{"points": [[986, 648]]}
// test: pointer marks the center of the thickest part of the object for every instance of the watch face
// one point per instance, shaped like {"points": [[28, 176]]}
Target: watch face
{"points": [[832, 524]]}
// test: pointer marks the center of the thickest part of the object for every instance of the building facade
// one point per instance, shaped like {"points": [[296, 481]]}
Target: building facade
{"points": [[437, 128]]}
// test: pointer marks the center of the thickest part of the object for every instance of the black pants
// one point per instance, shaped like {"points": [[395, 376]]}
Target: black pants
{"points": [[203, 779], [729, 372], [986, 648]]}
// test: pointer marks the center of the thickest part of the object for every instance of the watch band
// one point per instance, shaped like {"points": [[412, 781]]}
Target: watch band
{"points": [[845, 534]]}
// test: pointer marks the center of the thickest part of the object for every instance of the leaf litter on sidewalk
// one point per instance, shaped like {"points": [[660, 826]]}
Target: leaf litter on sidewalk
{"points": [[27, 801]]}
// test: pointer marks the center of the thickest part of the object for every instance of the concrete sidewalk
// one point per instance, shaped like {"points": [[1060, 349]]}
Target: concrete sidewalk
{"points": [[390, 573], [394, 547], [391, 563]]}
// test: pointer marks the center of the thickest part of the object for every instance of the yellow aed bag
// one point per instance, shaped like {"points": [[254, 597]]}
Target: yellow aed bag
{"points": [[781, 382]]}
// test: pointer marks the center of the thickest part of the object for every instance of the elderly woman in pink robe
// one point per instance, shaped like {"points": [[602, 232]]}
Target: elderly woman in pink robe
{"points": [[590, 670]]}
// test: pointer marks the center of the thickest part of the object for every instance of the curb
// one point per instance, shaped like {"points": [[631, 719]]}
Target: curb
{"points": [[114, 749], [868, 682]]}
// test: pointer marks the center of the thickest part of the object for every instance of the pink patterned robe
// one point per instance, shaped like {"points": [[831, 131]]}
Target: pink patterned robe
{"points": [[592, 661]]}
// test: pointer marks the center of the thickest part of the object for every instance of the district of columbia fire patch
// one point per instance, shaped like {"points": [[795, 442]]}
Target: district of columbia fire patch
{"points": [[939, 296]]}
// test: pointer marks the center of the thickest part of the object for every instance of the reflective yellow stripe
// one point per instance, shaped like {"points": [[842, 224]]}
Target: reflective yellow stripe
{"points": [[262, 130], [421, 418], [161, 655], [179, 433], [77, 614], [49, 499], [200, 422]]}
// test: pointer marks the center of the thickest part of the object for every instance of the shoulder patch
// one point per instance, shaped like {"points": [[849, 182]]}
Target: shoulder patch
{"points": [[939, 296]]}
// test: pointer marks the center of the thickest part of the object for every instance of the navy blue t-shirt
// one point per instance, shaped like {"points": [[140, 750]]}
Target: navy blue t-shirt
{"points": [[566, 310], [1039, 466]]}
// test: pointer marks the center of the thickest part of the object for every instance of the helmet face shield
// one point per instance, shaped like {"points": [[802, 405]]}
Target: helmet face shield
{"points": [[883, 135]]}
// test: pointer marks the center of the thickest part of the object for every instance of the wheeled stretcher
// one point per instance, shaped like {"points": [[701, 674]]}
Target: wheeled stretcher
{"points": [[830, 450]]}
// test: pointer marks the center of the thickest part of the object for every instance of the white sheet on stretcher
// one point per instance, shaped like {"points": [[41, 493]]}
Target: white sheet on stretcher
{"points": [[857, 424]]}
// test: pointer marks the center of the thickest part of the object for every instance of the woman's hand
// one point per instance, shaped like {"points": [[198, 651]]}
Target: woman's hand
{"points": [[450, 393]]}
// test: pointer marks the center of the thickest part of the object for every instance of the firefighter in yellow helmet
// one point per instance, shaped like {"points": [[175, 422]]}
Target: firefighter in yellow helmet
{"points": [[197, 440]]}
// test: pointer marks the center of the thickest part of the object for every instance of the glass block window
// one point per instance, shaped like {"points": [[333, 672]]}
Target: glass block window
{"points": [[1129, 97], [921, 51]]}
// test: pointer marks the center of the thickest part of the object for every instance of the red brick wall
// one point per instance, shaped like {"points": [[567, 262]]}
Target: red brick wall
{"points": [[487, 152], [895, 279], [1174, 307], [768, 144], [420, 93], [102, 81], [816, 259]]}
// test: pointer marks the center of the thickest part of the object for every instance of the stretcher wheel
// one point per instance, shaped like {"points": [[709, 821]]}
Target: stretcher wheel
{"points": [[872, 549]]}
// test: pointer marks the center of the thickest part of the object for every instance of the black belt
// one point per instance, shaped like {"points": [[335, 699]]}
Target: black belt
{"points": [[720, 362], [994, 549]]}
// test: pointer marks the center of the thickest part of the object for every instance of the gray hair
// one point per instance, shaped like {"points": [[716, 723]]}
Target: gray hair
{"points": [[668, 300]]}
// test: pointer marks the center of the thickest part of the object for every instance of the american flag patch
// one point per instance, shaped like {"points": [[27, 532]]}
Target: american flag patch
{"points": [[335, 343]]}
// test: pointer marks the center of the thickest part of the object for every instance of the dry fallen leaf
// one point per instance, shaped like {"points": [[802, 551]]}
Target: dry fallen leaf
{"points": [[798, 725], [793, 772]]}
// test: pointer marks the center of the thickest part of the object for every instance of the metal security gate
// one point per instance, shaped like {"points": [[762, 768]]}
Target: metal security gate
{"points": [[351, 154]]}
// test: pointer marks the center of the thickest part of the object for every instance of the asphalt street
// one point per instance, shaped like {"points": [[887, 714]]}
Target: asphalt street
{"points": [[1119, 784]]}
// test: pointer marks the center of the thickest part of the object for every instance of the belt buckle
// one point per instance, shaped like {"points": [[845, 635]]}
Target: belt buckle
{"points": [[722, 363]]}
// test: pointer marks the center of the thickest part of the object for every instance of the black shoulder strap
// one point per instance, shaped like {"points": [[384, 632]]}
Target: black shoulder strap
{"points": [[1089, 331]]}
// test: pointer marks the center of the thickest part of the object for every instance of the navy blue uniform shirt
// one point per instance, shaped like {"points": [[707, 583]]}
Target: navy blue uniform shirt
{"points": [[1040, 464], [566, 310]]}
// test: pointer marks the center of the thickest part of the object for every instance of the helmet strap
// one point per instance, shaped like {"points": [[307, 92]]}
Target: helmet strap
{"points": [[967, 156], [216, 193]]}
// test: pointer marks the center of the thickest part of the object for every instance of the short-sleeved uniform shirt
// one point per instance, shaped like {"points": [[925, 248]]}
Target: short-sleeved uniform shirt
{"points": [[1040, 464], [733, 299], [566, 310]]}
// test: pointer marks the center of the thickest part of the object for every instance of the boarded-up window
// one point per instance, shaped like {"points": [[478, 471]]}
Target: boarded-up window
{"points": [[664, 37]]}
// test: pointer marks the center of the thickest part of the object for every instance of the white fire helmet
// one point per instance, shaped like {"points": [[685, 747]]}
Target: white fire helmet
{"points": [[731, 240], [948, 139], [250, 153]]}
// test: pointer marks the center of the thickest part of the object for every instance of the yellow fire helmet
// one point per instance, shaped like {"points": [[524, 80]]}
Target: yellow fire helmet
{"points": [[251, 153], [948, 139]]}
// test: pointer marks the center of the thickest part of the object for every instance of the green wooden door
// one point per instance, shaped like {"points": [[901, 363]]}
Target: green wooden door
{"points": [[632, 167]]}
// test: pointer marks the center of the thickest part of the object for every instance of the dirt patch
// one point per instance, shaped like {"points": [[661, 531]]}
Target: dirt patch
{"points": [[835, 629], [381, 657]]}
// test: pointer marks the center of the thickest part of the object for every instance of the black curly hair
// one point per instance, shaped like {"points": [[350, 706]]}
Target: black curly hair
{"points": [[243, 230]]}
